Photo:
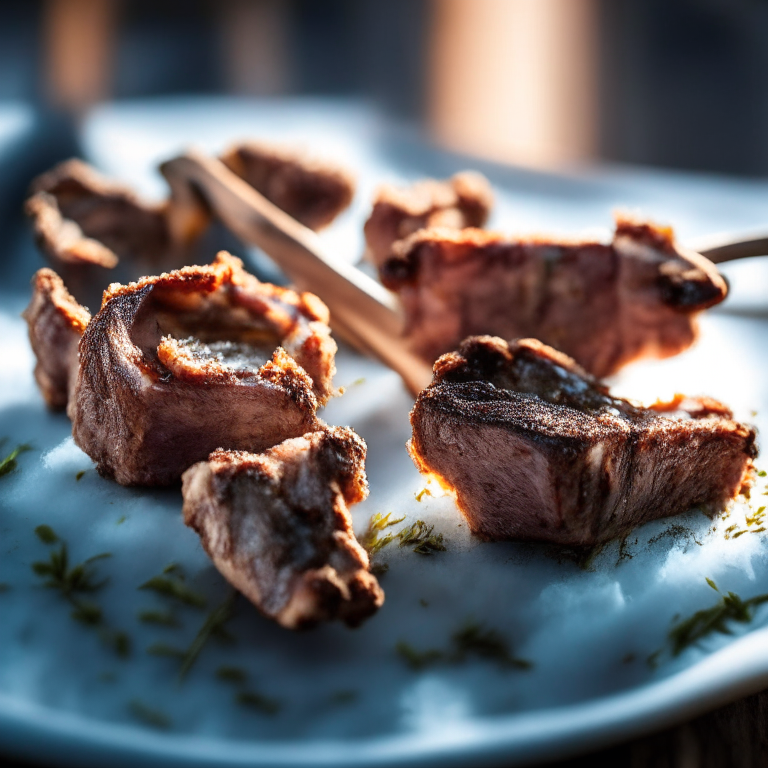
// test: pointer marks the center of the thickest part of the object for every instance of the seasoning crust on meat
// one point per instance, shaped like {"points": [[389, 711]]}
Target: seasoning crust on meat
{"points": [[173, 367], [604, 305], [313, 192], [277, 526], [56, 322], [464, 200], [535, 448]]}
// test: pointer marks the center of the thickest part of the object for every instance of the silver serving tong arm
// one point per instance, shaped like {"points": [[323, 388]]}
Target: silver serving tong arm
{"points": [[363, 312], [720, 248]]}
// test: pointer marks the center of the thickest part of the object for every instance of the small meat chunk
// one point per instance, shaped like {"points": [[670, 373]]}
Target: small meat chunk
{"points": [[175, 366], [464, 200], [537, 449], [277, 526], [312, 191], [56, 323], [605, 305]]}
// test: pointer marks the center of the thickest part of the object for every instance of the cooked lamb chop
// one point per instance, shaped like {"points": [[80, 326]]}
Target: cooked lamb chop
{"points": [[56, 323], [84, 220], [311, 191], [604, 305], [175, 366], [277, 526], [535, 448], [464, 200]]}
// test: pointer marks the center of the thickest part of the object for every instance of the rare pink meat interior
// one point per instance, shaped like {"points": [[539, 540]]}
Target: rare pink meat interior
{"points": [[605, 305], [277, 526], [537, 449]]}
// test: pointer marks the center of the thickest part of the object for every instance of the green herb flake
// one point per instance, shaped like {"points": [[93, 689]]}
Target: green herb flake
{"points": [[418, 660], [712, 584], [379, 569], [231, 674], [4, 587], [715, 619], [46, 534], [87, 613], [738, 533], [118, 641], [214, 623], [176, 589], [378, 523], [79, 475], [161, 618], [121, 520], [762, 473], [474, 639], [257, 701], [165, 650], [9, 463], [421, 537], [149, 716]]}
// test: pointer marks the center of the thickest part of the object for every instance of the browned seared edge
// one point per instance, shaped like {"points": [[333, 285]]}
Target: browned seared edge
{"points": [[277, 526], [312, 191], [605, 305], [537, 449], [464, 200], [174, 366]]}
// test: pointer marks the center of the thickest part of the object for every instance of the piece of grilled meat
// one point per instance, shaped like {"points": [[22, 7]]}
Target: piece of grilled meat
{"points": [[175, 366], [56, 323], [312, 191], [604, 305], [464, 200], [277, 526], [535, 448]]}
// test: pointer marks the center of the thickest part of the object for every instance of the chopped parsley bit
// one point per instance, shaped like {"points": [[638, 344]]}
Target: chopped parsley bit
{"points": [[422, 493], [343, 697], [738, 533], [9, 463], [79, 475], [176, 589], [121, 520], [762, 473], [70, 582], [371, 540], [163, 618], [174, 568], [423, 603], [4, 587], [232, 674], [470, 640], [149, 716], [213, 625], [628, 659], [163, 649], [256, 701], [421, 535], [730, 608], [379, 569], [46, 534], [674, 531], [418, 660]]}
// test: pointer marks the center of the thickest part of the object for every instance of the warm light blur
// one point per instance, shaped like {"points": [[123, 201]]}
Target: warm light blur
{"points": [[516, 80]]}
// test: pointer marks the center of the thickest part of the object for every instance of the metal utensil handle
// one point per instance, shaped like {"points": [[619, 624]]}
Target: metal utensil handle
{"points": [[363, 312], [720, 248]]}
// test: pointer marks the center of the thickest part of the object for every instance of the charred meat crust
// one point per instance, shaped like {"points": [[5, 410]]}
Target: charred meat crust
{"points": [[277, 526], [537, 449], [603, 305], [56, 322], [313, 192], [464, 200], [174, 366]]}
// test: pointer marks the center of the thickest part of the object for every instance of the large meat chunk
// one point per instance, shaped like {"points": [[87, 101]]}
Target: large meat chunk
{"points": [[277, 526], [535, 448], [313, 192], [56, 322], [464, 200], [175, 366], [605, 305]]}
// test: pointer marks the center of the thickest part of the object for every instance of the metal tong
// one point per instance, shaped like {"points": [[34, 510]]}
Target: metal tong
{"points": [[363, 312]]}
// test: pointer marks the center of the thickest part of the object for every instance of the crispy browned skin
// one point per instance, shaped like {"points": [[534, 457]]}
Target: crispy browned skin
{"points": [[311, 191], [464, 200], [175, 366], [535, 448], [277, 526], [604, 305], [56, 323]]}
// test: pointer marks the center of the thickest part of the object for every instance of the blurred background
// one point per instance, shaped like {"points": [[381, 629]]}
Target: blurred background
{"points": [[542, 83]]}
